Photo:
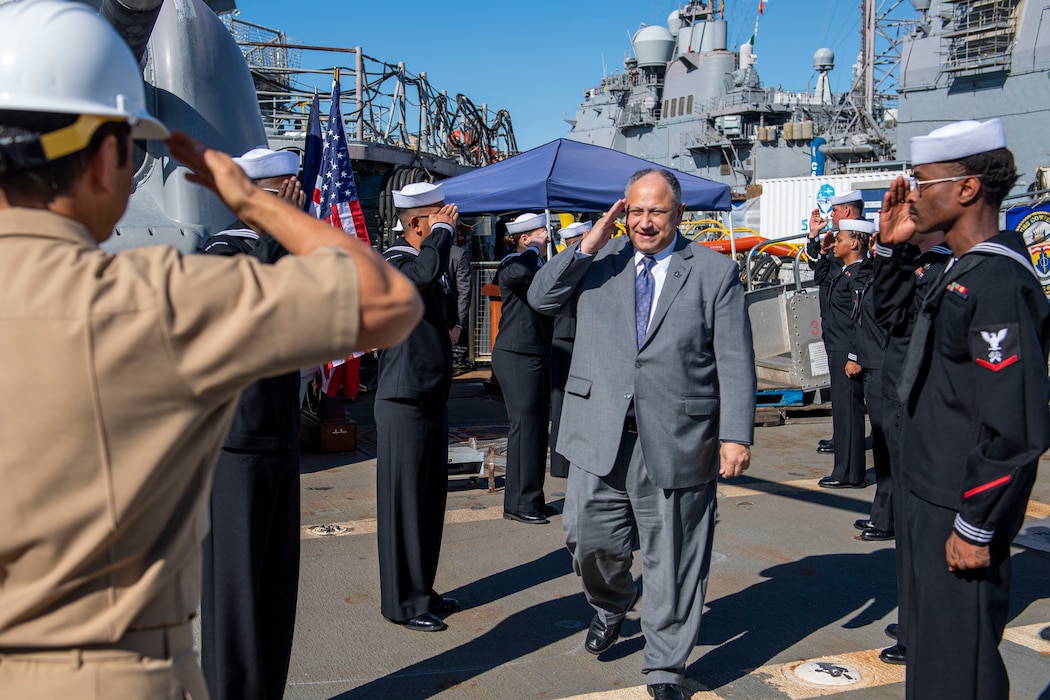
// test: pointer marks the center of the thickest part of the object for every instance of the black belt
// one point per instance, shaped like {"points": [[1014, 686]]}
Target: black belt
{"points": [[630, 425]]}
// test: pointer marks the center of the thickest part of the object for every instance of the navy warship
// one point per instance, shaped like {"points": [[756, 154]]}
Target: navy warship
{"points": [[688, 101]]}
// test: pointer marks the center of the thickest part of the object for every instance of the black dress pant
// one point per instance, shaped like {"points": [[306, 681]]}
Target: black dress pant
{"points": [[525, 381], [882, 506], [892, 422], [561, 359], [250, 575], [956, 620], [847, 418], [411, 490]]}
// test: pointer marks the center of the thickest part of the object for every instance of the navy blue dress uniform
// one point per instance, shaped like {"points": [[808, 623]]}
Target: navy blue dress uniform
{"points": [[251, 554], [983, 376], [840, 328], [871, 349], [903, 276], [412, 427], [563, 333], [974, 385], [521, 362]]}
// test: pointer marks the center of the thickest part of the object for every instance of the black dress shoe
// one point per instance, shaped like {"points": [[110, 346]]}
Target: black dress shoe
{"points": [[823, 443], [427, 622], [891, 630], [863, 524], [874, 534], [828, 483], [548, 510], [443, 606], [531, 517], [892, 655], [600, 637], [826, 448], [665, 691]]}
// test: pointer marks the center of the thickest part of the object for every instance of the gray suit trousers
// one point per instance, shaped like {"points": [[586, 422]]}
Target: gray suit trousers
{"points": [[675, 528]]}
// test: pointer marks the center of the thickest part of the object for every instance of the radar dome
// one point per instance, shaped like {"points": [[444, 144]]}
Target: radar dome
{"points": [[921, 5], [674, 22], [653, 46], [823, 60]]}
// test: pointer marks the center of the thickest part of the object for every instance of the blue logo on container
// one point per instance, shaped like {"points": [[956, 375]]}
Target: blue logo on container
{"points": [[824, 195]]}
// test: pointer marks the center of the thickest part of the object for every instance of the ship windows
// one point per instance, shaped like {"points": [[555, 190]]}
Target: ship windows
{"points": [[681, 105], [663, 114], [689, 105], [671, 111]]}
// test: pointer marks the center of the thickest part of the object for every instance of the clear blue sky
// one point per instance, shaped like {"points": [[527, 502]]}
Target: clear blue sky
{"points": [[535, 58]]}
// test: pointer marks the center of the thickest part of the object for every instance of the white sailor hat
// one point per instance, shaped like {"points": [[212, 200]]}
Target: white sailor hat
{"points": [[526, 223], [575, 230], [958, 140], [859, 225], [260, 163], [851, 196], [418, 194]]}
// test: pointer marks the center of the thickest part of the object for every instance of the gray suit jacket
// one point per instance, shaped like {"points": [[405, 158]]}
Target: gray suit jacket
{"points": [[692, 382]]}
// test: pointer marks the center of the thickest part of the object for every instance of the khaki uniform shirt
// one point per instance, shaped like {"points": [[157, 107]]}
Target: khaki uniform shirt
{"points": [[118, 378]]}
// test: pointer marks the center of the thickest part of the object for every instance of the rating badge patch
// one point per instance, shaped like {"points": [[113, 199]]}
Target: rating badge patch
{"points": [[995, 347]]}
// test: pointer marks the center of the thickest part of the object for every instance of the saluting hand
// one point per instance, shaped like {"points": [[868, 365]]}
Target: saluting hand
{"points": [[895, 223], [595, 239], [448, 214], [291, 191], [213, 169], [816, 223], [734, 459]]}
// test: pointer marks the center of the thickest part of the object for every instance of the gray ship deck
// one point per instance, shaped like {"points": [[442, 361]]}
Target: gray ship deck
{"points": [[790, 582]]}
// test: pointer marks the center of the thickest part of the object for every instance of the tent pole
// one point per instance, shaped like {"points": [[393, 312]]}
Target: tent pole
{"points": [[550, 234], [727, 218]]}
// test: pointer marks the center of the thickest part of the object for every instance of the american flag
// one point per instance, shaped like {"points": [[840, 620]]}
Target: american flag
{"points": [[335, 192]]}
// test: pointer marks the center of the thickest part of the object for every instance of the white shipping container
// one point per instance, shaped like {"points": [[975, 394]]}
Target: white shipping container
{"points": [[786, 202]]}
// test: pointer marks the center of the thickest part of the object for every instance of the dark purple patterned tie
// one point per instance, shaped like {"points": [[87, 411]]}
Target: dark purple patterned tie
{"points": [[643, 297]]}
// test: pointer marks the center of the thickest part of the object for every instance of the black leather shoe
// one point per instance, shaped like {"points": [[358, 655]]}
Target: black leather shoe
{"points": [[427, 622], [665, 691], [824, 443], [891, 630], [600, 637], [444, 606], [892, 655], [828, 483], [863, 524], [530, 517], [826, 448], [549, 510], [874, 534]]}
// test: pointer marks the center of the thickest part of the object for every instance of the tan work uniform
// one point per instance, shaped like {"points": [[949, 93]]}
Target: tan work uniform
{"points": [[118, 376]]}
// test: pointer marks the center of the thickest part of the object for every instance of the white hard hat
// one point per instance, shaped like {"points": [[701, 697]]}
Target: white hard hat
{"points": [[61, 57]]}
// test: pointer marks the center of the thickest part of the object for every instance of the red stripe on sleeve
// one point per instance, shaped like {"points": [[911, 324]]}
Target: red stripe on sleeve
{"points": [[990, 485]]}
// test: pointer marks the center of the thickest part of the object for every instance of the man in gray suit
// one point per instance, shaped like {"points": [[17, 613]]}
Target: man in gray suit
{"points": [[660, 400]]}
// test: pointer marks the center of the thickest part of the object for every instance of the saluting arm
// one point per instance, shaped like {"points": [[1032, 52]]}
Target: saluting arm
{"points": [[390, 306]]}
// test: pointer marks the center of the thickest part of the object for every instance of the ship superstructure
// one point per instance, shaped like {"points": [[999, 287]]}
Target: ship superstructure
{"points": [[687, 101]]}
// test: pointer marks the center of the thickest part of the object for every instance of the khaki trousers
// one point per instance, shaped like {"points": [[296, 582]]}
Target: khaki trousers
{"points": [[148, 664]]}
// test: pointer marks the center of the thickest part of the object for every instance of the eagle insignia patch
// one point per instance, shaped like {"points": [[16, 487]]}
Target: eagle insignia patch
{"points": [[995, 348]]}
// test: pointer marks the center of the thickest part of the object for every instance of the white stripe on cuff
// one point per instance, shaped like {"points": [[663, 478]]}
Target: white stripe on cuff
{"points": [[971, 532]]}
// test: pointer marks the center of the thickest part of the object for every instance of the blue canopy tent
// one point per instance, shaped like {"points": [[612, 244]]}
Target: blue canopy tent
{"points": [[566, 175]]}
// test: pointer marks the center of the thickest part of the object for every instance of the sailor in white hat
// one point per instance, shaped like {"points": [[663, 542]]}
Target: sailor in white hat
{"points": [[571, 233], [979, 381], [412, 421], [273, 171], [521, 362]]}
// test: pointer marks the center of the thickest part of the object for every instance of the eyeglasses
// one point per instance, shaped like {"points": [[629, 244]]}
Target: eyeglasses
{"points": [[918, 184]]}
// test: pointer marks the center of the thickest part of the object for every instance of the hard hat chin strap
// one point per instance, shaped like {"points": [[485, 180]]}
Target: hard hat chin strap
{"points": [[75, 137]]}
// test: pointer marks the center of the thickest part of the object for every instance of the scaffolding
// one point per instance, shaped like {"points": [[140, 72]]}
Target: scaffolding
{"points": [[980, 36], [381, 102]]}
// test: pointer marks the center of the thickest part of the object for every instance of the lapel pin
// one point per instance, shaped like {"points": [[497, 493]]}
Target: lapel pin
{"points": [[677, 273]]}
